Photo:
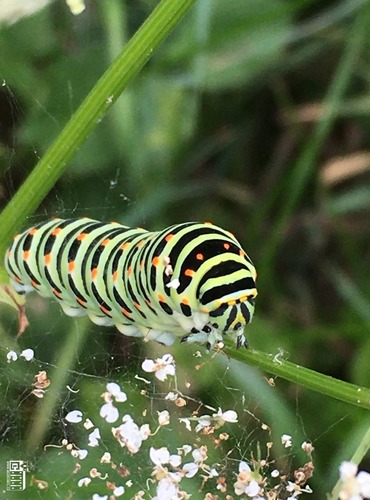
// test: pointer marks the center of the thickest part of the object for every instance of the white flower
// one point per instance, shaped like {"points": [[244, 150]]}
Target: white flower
{"points": [[145, 431], [94, 437], [162, 367], [128, 434], [186, 448], [171, 396], [115, 390], [225, 416], [275, 473], [175, 460], [200, 454], [213, 473], [354, 486], [291, 486], [186, 421], [39, 393], [286, 440], [74, 417], [94, 473], [98, 497], [88, 424], [27, 354], [106, 458], [307, 447], [247, 483], [244, 467], [81, 454], [363, 480], [118, 491], [109, 413], [347, 470], [11, 356], [166, 490], [85, 481], [163, 418], [297, 490], [190, 469], [230, 416], [203, 421], [161, 456], [252, 489]]}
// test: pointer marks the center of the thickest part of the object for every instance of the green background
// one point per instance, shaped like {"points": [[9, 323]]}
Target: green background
{"points": [[222, 124]]}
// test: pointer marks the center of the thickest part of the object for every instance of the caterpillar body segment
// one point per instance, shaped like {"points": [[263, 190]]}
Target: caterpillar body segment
{"points": [[190, 281]]}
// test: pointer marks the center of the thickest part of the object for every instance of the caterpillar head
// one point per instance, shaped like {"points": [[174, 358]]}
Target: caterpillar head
{"points": [[229, 297], [233, 314]]}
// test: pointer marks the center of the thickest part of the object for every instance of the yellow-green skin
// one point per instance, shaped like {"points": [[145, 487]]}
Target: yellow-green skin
{"points": [[191, 280]]}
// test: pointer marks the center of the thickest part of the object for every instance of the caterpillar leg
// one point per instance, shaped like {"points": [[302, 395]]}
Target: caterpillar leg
{"points": [[166, 338], [241, 340], [101, 320], [73, 311], [208, 335], [128, 330], [200, 337], [198, 320], [21, 288], [183, 321]]}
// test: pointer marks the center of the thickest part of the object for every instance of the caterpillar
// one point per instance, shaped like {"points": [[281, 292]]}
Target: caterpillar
{"points": [[191, 280]]}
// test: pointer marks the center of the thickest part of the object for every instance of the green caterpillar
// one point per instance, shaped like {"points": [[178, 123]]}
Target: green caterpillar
{"points": [[191, 280]]}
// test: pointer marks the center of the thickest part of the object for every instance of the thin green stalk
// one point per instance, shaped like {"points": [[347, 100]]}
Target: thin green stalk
{"points": [[344, 391], [108, 88], [65, 360], [306, 162]]}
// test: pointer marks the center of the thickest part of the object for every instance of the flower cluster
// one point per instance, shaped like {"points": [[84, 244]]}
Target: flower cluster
{"points": [[355, 485], [130, 435], [161, 367], [113, 394], [120, 436], [168, 469], [171, 468]]}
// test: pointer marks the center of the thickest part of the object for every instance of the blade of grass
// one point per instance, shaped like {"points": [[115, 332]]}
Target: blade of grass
{"points": [[347, 288], [109, 87], [65, 360], [303, 168]]}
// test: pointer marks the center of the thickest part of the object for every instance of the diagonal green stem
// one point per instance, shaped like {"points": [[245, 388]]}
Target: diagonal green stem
{"points": [[344, 391], [129, 62]]}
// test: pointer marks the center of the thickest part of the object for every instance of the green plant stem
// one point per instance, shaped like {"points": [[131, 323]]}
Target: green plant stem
{"points": [[344, 391], [108, 88]]}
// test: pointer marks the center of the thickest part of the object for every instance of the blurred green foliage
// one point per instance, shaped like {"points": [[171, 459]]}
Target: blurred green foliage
{"points": [[210, 130]]}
